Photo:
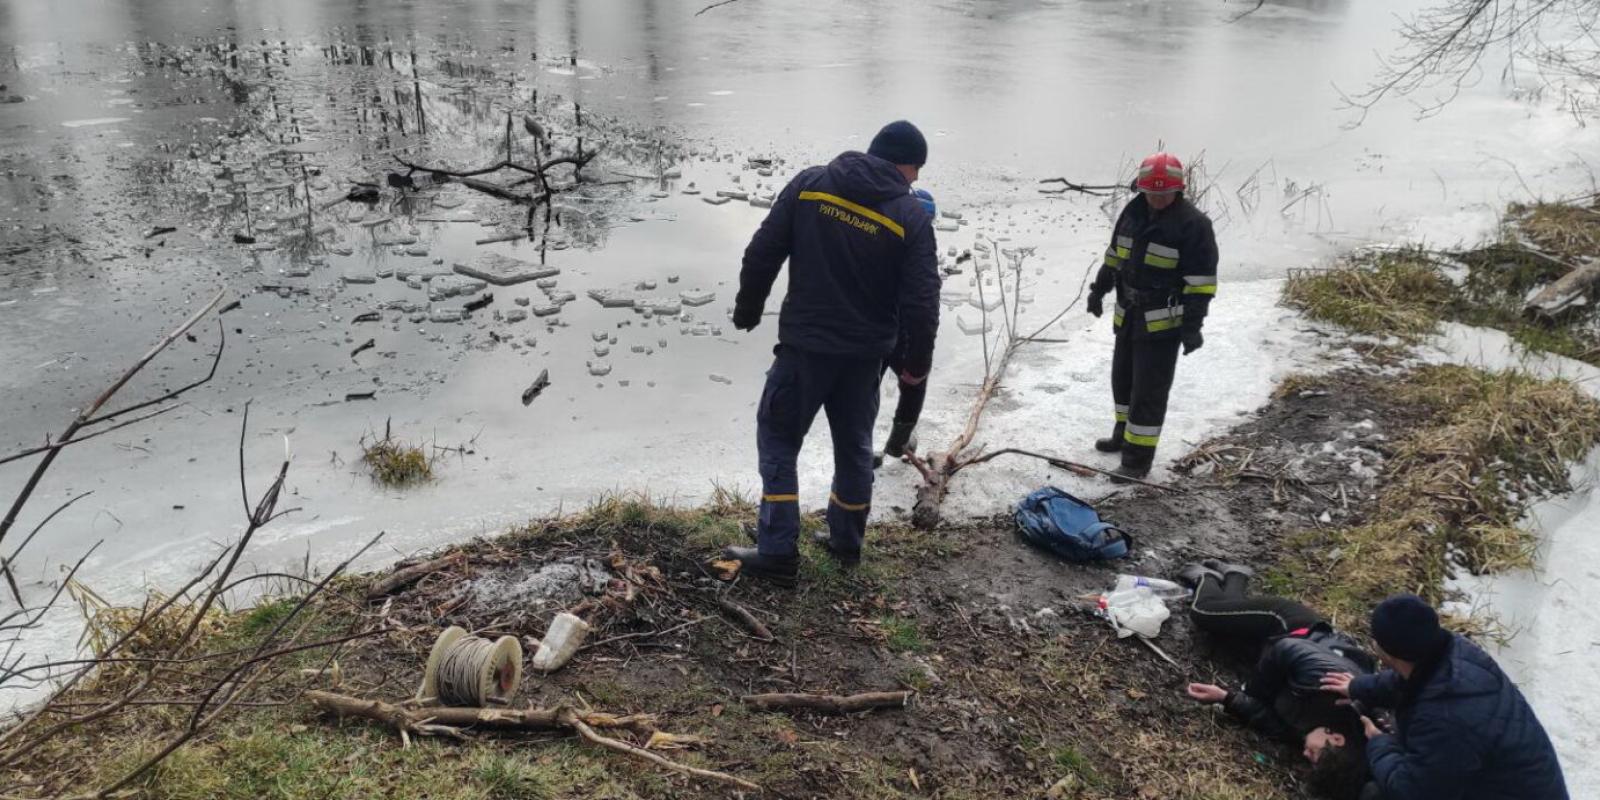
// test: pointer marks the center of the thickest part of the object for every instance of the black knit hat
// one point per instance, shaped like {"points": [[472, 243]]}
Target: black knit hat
{"points": [[1407, 628], [900, 143]]}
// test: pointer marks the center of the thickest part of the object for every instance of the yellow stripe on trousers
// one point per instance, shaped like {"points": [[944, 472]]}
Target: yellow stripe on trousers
{"points": [[848, 506]]}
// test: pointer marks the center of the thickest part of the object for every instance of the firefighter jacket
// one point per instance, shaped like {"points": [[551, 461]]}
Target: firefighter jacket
{"points": [[863, 266], [1163, 266]]}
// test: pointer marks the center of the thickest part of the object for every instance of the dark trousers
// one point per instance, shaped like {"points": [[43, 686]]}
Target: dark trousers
{"points": [[1226, 608], [798, 385], [909, 409], [1141, 377]]}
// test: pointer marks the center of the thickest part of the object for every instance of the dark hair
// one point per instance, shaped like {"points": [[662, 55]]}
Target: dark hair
{"points": [[1341, 772]]}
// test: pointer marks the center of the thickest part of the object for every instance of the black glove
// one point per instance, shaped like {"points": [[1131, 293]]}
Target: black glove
{"points": [[745, 318], [1097, 303], [1192, 340]]}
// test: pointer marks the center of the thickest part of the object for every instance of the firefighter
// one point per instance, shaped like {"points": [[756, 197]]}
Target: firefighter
{"points": [[863, 275], [1162, 262]]}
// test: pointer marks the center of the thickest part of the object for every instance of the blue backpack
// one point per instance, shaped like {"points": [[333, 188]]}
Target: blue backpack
{"points": [[1062, 524]]}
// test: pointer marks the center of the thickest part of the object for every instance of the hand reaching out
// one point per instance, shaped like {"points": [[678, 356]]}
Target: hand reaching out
{"points": [[1207, 693]]}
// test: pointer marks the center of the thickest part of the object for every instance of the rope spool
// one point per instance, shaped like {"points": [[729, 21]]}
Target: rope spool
{"points": [[467, 670]]}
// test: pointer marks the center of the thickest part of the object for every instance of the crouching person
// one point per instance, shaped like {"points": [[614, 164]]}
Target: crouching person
{"points": [[1284, 699], [1463, 731]]}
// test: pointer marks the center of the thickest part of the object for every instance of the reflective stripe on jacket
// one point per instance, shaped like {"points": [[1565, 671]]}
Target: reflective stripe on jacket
{"points": [[1163, 267], [863, 271]]}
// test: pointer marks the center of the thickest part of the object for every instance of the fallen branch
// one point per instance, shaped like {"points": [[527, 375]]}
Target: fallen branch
{"points": [[405, 576], [743, 615], [1098, 190], [827, 703], [454, 722], [1070, 466]]}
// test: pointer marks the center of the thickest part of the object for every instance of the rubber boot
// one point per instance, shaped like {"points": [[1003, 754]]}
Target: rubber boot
{"points": [[1191, 574], [1114, 443], [902, 440], [779, 570], [1136, 463], [1225, 568], [824, 541]]}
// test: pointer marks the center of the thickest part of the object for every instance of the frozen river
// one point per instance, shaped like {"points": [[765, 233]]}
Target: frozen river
{"points": [[219, 118]]}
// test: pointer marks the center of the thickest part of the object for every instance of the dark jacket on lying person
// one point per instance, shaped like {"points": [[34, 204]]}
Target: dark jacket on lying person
{"points": [[1464, 732], [1284, 698]]}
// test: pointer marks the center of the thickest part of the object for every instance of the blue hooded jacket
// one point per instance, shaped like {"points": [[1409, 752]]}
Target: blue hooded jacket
{"points": [[1464, 733], [863, 265]]}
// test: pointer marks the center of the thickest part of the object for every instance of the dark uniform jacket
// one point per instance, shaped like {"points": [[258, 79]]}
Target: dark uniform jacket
{"points": [[863, 266], [1163, 267], [1464, 732], [1284, 698]]}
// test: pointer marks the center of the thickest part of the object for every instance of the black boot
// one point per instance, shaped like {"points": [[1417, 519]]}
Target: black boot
{"points": [[902, 440], [845, 559], [1113, 444], [780, 570], [1226, 569], [1191, 574], [1136, 463]]}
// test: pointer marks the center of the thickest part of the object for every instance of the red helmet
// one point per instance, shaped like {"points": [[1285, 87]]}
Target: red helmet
{"points": [[1160, 173]]}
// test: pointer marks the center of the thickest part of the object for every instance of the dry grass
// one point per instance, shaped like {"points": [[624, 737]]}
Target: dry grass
{"points": [[396, 464], [1570, 231], [1398, 293], [1496, 441]]}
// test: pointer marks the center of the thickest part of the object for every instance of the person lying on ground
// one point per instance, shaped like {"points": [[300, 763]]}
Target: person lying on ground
{"points": [[1463, 731], [1283, 698]]}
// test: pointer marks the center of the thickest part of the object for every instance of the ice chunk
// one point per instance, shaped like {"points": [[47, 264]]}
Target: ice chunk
{"points": [[722, 379], [516, 314], [733, 194], [716, 201], [985, 302], [697, 297], [613, 298], [546, 309], [599, 369], [660, 305], [646, 286], [504, 270], [446, 315], [972, 323]]}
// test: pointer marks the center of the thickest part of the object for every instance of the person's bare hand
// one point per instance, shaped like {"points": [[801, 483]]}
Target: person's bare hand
{"points": [[1372, 727], [1207, 693], [1337, 683]]}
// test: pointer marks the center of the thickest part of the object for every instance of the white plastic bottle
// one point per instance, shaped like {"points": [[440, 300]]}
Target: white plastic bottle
{"points": [[1164, 589]]}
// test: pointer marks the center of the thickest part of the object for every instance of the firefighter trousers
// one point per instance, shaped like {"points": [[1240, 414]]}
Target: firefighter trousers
{"points": [[798, 386], [1141, 377]]}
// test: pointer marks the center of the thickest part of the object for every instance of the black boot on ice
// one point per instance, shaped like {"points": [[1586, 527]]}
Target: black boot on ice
{"points": [[1114, 443]]}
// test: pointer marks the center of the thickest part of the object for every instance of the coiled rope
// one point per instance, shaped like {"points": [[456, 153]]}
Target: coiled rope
{"points": [[467, 670]]}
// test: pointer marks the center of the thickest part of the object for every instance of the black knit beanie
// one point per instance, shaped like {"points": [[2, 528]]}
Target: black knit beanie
{"points": [[900, 143], [1407, 628]]}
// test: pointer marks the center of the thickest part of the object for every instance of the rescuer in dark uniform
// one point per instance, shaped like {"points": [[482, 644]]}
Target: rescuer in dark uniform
{"points": [[1162, 262], [863, 273]]}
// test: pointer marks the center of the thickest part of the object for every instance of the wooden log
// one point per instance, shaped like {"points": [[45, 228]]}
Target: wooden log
{"points": [[405, 576], [827, 703], [451, 721], [1567, 291]]}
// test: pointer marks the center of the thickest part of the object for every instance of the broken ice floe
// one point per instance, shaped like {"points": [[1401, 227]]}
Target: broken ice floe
{"points": [[504, 270], [973, 324], [696, 297]]}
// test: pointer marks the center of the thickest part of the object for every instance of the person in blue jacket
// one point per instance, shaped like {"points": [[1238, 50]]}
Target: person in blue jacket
{"points": [[863, 276], [1463, 731]]}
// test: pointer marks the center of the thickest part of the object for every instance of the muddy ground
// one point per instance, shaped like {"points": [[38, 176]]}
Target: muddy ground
{"points": [[1018, 686]]}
